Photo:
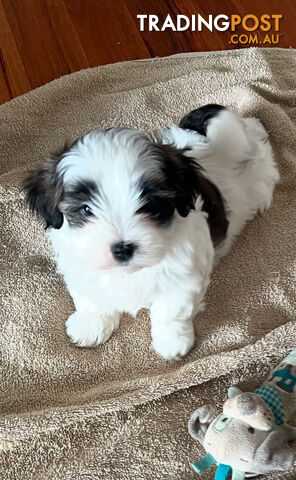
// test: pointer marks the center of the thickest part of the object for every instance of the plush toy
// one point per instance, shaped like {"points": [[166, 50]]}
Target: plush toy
{"points": [[251, 436]]}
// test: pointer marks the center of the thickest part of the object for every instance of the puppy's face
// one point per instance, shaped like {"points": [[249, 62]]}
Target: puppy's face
{"points": [[116, 194]]}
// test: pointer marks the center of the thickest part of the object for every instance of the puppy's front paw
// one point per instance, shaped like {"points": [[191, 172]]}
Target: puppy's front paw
{"points": [[172, 345], [87, 330]]}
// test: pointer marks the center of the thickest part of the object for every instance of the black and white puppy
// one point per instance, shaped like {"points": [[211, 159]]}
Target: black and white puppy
{"points": [[139, 221]]}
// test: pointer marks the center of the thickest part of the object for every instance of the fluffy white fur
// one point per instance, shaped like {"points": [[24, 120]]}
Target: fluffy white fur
{"points": [[171, 268]]}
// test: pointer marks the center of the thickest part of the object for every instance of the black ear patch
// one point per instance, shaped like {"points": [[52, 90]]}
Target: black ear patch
{"points": [[181, 177], [197, 120], [44, 189], [213, 204], [174, 188], [177, 188]]}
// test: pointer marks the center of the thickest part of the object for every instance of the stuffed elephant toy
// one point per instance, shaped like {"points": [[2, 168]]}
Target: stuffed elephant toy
{"points": [[251, 436]]}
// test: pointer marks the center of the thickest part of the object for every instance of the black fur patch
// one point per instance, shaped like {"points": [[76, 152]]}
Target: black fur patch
{"points": [[156, 204], [43, 190], [75, 199], [174, 188], [177, 188], [213, 204], [197, 120]]}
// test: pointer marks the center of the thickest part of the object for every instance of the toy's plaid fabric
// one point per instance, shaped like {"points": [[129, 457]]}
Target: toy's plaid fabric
{"points": [[272, 398]]}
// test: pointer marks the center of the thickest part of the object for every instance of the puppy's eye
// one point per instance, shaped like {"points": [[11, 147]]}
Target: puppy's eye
{"points": [[251, 430], [86, 210]]}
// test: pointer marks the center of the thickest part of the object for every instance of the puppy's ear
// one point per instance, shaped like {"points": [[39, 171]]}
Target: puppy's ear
{"points": [[186, 178], [181, 178], [44, 188]]}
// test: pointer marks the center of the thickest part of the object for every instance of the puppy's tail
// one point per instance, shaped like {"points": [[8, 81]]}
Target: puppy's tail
{"points": [[226, 133], [224, 130]]}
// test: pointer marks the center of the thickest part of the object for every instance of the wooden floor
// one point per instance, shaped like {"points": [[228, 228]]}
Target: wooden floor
{"points": [[41, 40]]}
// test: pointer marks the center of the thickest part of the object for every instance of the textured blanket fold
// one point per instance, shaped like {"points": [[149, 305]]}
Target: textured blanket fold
{"points": [[118, 410]]}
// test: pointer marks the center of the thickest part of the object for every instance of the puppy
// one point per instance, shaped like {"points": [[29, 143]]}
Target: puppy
{"points": [[139, 222]]}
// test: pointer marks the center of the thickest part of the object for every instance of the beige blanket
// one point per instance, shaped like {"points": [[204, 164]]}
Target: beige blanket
{"points": [[118, 411]]}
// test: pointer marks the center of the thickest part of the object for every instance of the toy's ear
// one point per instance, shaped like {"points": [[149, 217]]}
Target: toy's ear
{"points": [[233, 391], [274, 452], [251, 409], [199, 422]]}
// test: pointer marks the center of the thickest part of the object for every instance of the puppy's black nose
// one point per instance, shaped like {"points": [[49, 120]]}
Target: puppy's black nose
{"points": [[122, 252]]}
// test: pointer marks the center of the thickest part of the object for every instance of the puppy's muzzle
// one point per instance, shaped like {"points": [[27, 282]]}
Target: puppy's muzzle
{"points": [[123, 252]]}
